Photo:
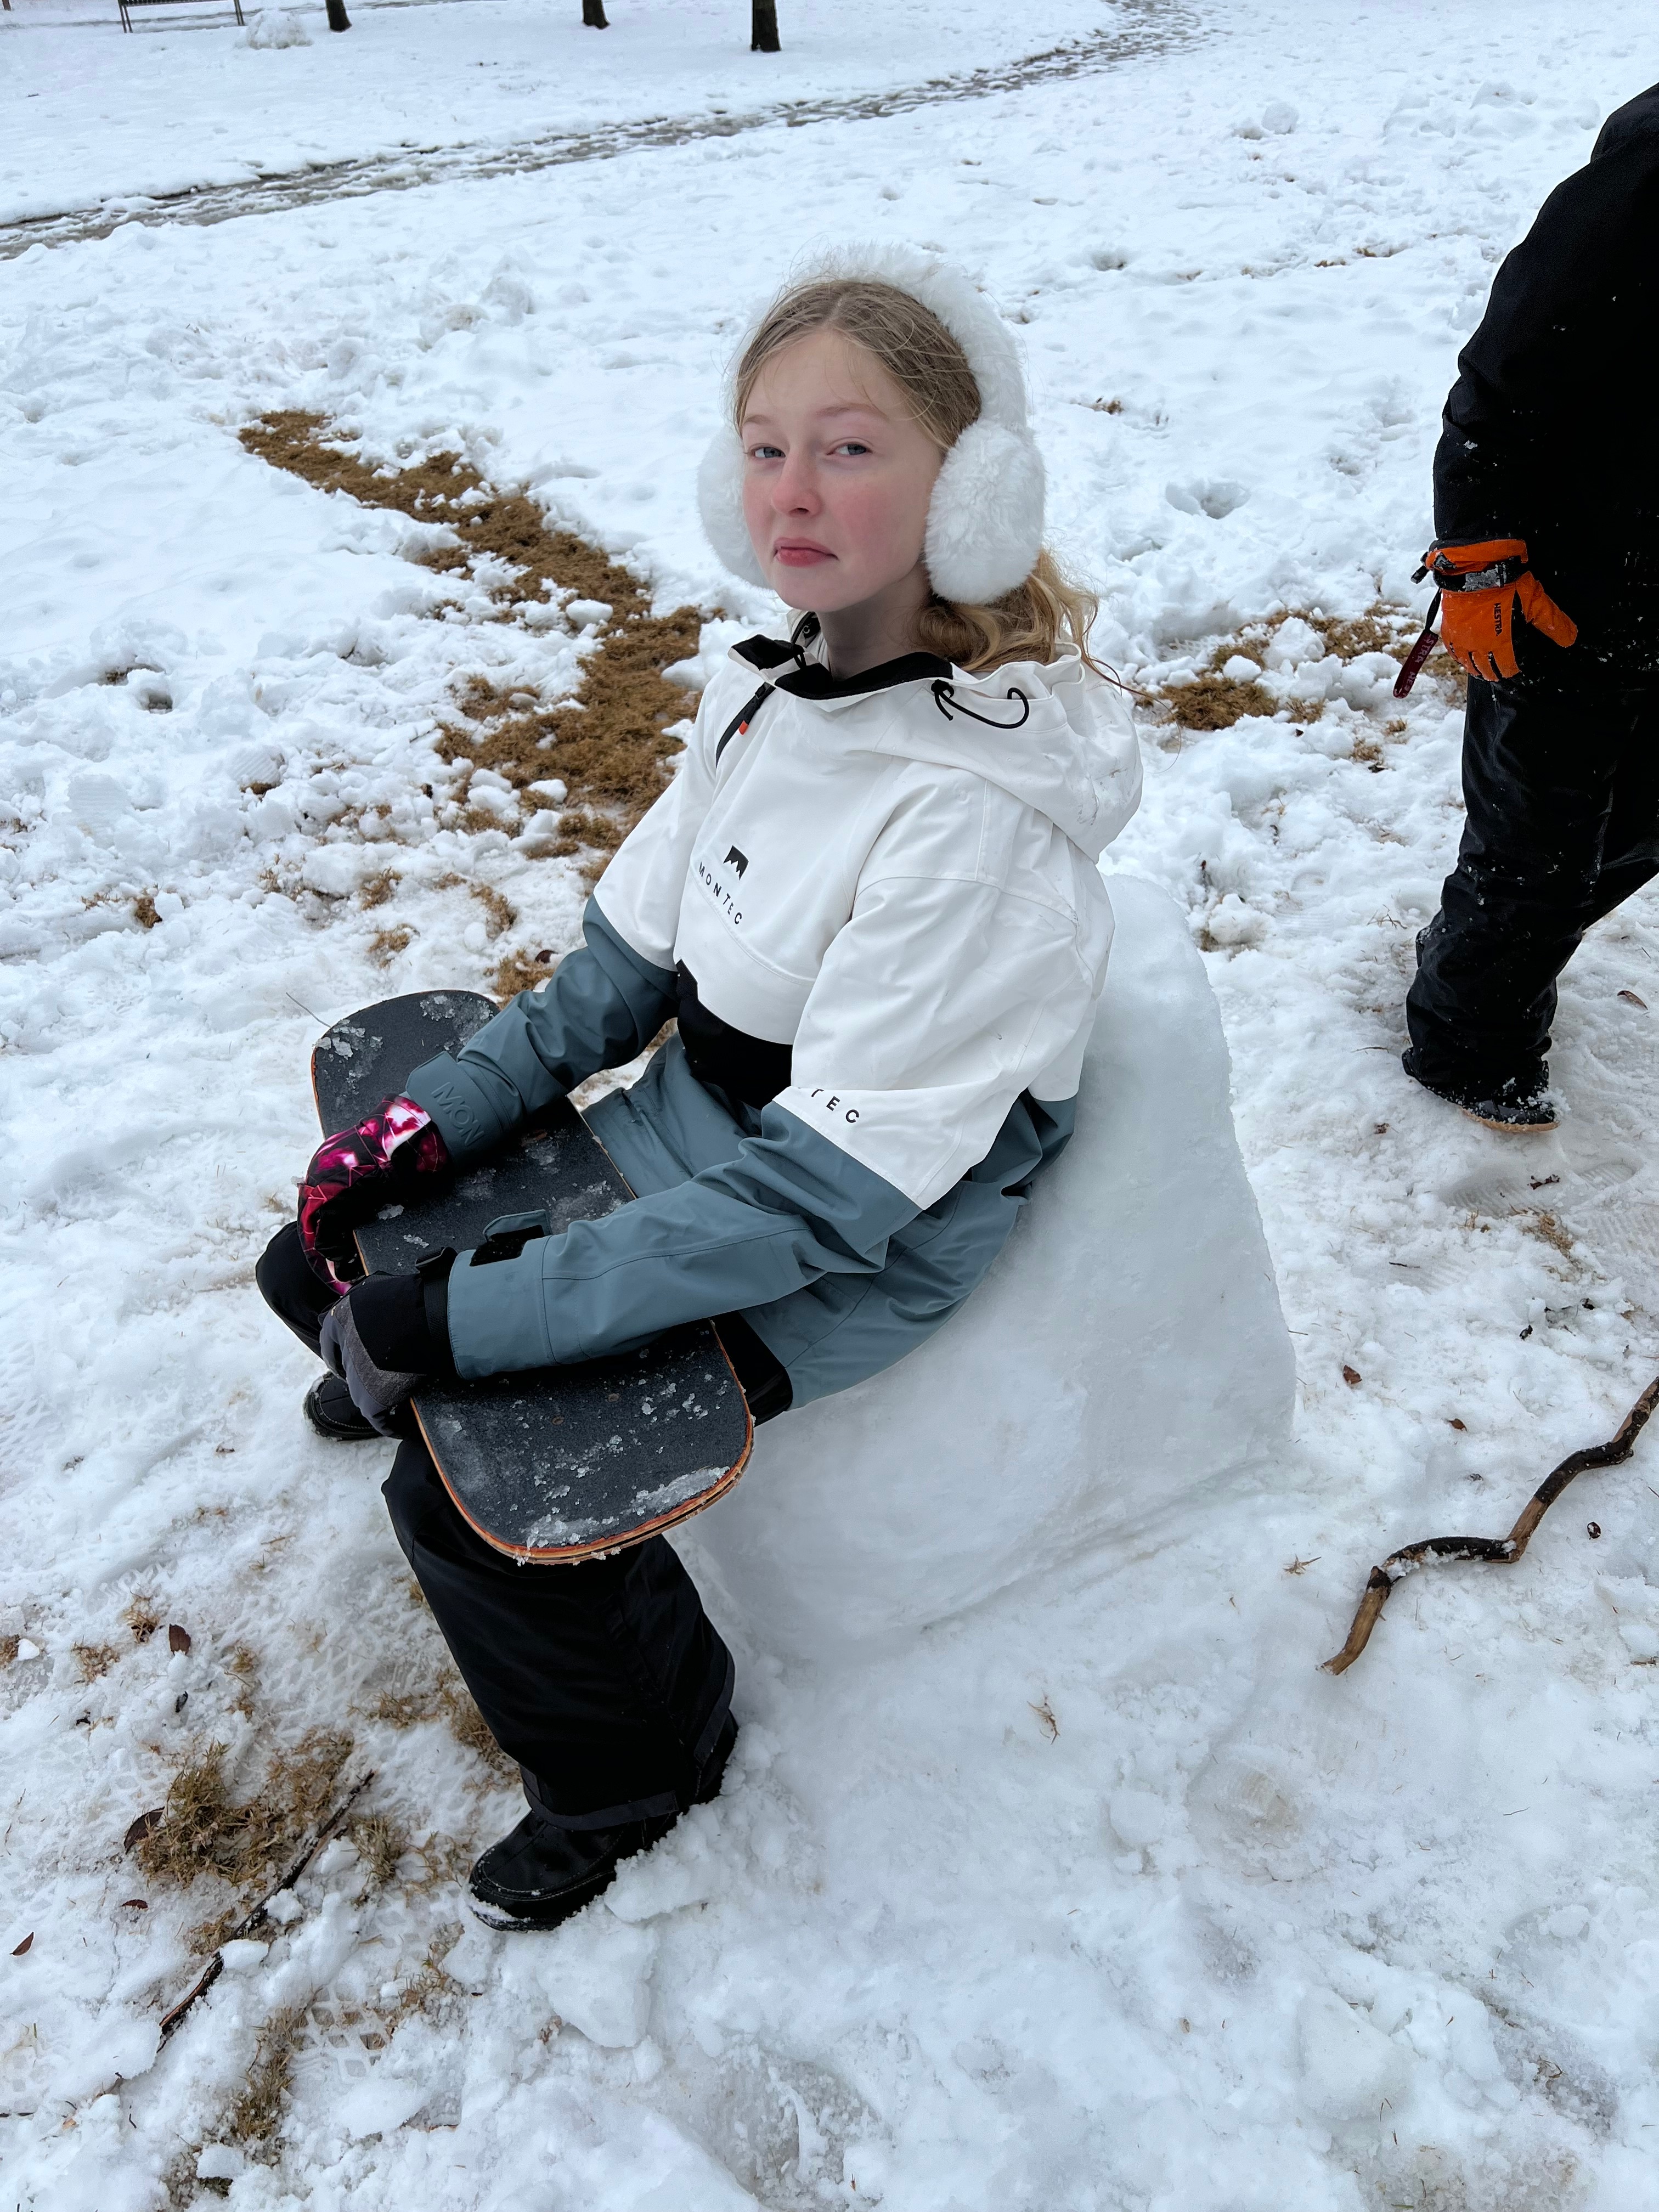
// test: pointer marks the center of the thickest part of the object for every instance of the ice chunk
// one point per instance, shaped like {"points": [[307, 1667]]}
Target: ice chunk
{"points": [[1293, 643], [1126, 1356], [336, 870], [381, 2103], [1349, 2067], [597, 1975]]}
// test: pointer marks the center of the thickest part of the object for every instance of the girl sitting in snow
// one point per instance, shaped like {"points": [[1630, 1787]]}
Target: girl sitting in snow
{"points": [[870, 898]]}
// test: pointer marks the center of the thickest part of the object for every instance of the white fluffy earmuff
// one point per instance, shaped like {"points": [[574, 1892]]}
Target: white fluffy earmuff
{"points": [[985, 520]]}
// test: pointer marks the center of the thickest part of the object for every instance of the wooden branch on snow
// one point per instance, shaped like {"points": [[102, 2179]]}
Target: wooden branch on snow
{"points": [[1503, 1550], [215, 1964]]}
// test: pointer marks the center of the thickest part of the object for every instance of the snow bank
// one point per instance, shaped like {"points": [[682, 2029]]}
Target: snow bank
{"points": [[277, 27], [1126, 1358]]}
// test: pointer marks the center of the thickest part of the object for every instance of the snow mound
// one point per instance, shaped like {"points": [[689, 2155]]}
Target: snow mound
{"points": [[1126, 1356], [276, 27]]}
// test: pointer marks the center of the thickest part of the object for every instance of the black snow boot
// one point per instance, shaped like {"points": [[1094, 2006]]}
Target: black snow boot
{"points": [[540, 1876], [1517, 1107], [330, 1411]]}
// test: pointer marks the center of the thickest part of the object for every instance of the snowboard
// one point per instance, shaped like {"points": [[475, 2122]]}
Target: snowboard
{"points": [[562, 1463]]}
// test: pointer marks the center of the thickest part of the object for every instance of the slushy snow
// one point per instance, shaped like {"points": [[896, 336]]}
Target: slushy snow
{"points": [[1091, 1892]]}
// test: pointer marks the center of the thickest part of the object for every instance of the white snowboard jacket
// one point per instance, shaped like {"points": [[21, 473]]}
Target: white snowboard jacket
{"points": [[875, 906]]}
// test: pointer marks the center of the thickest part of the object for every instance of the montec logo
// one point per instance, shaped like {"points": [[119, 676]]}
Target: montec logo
{"points": [[736, 859]]}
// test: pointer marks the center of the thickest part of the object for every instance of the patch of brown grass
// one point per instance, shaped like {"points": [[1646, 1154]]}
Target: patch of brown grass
{"points": [[244, 1667], [499, 913], [516, 972], [1212, 700], [1552, 1231], [143, 910], [254, 2115], [381, 1843], [609, 739], [92, 1660], [143, 1619], [1386, 629], [9, 1644], [608, 742], [204, 1830], [386, 944], [1216, 702], [446, 1701], [507, 527], [377, 889], [430, 1987]]}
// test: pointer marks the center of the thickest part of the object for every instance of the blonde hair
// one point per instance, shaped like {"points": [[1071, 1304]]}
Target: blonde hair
{"points": [[929, 368]]}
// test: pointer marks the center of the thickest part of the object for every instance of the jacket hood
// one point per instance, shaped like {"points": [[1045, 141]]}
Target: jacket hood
{"points": [[1056, 735]]}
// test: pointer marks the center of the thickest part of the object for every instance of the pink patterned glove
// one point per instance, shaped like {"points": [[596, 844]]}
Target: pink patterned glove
{"points": [[356, 1172]]}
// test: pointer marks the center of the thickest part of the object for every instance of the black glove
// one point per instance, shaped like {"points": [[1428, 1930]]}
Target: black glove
{"points": [[388, 1334]]}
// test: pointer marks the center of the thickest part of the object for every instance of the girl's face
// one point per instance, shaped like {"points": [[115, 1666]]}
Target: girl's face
{"points": [[837, 476]]}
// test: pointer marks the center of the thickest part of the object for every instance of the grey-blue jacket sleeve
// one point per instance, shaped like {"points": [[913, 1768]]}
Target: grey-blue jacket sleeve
{"points": [[605, 1003], [788, 1209]]}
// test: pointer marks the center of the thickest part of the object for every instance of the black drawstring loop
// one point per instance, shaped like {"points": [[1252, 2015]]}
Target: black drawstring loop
{"points": [[945, 699]]}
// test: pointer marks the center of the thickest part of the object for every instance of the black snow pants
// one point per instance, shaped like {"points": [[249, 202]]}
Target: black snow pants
{"points": [[1561, 783], [606, 1682]]}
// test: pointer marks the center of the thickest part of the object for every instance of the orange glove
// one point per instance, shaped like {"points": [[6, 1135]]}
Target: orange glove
{"points": [[1488, 588]]}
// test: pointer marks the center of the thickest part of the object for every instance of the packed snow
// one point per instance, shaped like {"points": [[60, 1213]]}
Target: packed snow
{"points": [[1095, 1893], [1073, 1403]]}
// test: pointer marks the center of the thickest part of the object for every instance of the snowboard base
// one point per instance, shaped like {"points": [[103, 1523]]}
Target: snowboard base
{"points": [[564, 1463]]}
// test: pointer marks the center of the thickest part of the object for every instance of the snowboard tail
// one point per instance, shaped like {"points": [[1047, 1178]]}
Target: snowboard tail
{"points": [[564, 1463]]}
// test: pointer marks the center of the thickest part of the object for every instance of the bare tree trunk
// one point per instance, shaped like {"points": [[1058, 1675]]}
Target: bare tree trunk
{"points": [[593, 16], [764, 36], [337, 18]]}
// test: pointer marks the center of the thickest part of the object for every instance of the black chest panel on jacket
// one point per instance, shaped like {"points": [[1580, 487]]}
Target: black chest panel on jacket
{"points": [[746, 1068]]}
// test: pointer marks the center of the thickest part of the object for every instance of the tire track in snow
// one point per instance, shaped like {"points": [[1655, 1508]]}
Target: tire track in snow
{"points": [[1142, 28]]}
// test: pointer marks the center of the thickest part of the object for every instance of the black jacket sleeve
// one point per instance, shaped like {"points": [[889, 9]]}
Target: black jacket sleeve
{"points": [[1554, 387]]}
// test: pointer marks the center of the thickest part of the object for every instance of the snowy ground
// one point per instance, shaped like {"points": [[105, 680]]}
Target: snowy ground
{"points": [[1101, 1897]]}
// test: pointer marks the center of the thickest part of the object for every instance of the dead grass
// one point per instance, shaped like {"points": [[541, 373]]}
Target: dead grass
{"points": [[430, 1986], [1216, 702], [377, 889], [143, 1619], [1386, 629], [516, 972], [1552, 1231], [204, 1830], [244, 1666], [499, 913], [446, 1701], [381, 1843], [254, 2115], [143, 910], [9, 1645], [92, 1660], [608, 743], [386, 944], [1212, 700]]}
